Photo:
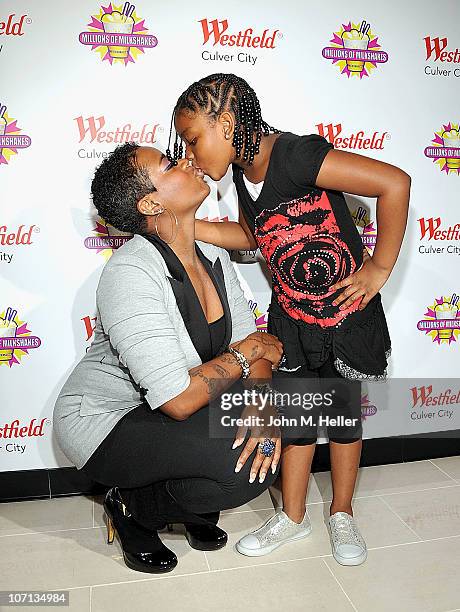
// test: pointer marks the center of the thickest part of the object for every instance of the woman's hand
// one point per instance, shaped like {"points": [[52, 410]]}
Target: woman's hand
{"points": [[261, 345], [367, 282], [258, 434]]}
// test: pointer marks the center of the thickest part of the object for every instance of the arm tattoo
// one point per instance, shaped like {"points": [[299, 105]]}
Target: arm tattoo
{"points": [[227, 358], [211, 383], [221, 371]]}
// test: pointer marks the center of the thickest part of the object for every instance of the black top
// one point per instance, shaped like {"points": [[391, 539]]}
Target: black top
{"points": [[217, 334], [306, 234]]}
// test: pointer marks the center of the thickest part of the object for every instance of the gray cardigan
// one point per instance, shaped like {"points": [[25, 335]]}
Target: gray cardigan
{"points": [[141, 346]]}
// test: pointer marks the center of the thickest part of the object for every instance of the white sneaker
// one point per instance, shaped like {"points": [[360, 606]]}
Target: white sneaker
{"points": [[348, 545], [277, 530]]}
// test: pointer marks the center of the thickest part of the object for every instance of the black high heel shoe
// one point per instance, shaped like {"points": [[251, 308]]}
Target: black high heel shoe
{"points": [[156, 558], [204, 537], [160, 506]]}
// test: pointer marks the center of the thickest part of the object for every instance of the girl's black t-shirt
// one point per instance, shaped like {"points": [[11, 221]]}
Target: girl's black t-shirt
{"points": [[306, 234]]}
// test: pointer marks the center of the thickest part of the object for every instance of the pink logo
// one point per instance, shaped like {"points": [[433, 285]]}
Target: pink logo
{"points": [[118, 35], [355, 50], [442, 320], [445, 148], [15, 339], [11, 138]]}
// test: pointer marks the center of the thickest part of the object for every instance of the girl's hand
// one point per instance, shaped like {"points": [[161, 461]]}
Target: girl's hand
{"points": [[258, 434], [367, 282], [366, 255]]}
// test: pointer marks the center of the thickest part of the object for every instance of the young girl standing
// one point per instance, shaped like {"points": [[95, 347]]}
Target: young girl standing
{"points": [[326, 307]]}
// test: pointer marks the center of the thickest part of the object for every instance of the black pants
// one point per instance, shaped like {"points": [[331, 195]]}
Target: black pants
{"points": [[351, 410], [147, 446]]}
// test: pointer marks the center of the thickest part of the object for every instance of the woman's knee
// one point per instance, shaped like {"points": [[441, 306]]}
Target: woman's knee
{"points": [[240, 491]]}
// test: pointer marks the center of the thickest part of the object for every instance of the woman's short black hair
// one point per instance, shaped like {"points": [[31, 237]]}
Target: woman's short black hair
{"points": [[118, 185]]}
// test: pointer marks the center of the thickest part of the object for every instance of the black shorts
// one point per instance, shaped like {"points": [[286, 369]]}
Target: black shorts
{"points": [[360, 346], [357, 350], [342, 407]]}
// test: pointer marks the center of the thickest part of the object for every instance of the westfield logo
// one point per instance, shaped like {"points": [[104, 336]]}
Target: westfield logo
{"points": [[424, 396], [217, 32], [438, 47], [357, 140], [12, 27], [20, 236], [432, 230], [94, 129], [16, 430]]}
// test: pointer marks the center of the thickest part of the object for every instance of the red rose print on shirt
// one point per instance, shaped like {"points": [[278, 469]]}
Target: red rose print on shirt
{"points": [[304, 249]]}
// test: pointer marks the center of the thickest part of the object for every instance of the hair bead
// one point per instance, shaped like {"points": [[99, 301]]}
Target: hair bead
{"points": [[221, 92]]}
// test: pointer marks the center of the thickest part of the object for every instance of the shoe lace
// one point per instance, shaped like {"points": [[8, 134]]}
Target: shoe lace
{"points": [[271, 524], [344, 530], [273, 528]]}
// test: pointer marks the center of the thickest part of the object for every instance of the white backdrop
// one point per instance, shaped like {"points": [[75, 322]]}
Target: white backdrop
{"points": [[64, 102]]}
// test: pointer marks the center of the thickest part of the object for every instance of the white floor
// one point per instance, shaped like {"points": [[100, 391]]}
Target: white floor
{"points": [[409, 515]]}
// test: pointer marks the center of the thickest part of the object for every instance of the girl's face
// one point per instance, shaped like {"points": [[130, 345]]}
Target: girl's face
{"points": [[208, 141], [178, 187]]}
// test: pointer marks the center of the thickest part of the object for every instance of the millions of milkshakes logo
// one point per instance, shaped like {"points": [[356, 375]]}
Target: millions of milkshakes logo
{"points": [[445, 148], [11, 137], [442, 320], [365, 227], [367, 409], [355, 50], [106, 239], [118, 34], [15, 339], [259, 316]]}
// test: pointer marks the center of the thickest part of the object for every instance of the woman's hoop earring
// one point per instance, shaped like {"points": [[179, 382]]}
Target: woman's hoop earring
{"points": [[175, 225]]}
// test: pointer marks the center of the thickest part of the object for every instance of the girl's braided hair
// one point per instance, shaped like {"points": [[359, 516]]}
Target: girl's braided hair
{"points": [[215, 94]]}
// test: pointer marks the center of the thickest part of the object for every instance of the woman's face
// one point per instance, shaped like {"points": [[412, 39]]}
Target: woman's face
{"points": [[180, 187], [208, 141]]}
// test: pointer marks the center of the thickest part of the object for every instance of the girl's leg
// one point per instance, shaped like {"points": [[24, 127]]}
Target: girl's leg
{"points": [[348, 545], [344, 446], [292, 523], [295, 474], [345, 460], [297, 456]]}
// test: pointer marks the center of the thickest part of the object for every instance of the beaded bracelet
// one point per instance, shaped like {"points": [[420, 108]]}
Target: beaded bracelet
{"points": [[242, 361]]}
